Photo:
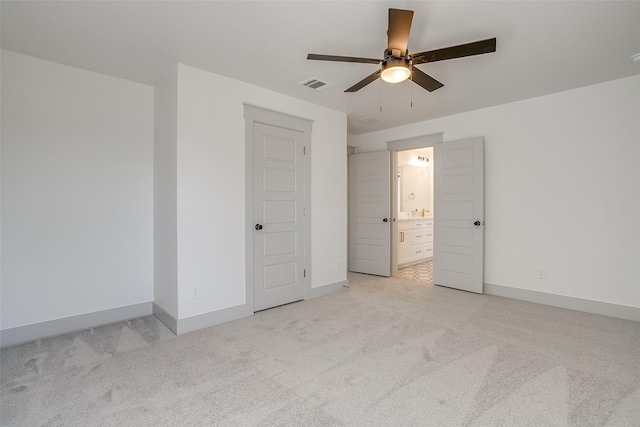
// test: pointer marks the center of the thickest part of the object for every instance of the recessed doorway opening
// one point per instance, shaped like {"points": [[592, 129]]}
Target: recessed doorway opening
{"points": [[414, 214]]}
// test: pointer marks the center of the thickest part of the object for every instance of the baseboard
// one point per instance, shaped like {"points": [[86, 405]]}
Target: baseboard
{"points": [[205, 320], [168, 320], [329, 289], [200, 321], [572, 303], [51, 328], [22, 334]]}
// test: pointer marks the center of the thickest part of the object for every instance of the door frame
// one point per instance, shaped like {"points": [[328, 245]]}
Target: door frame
{"points": [[423, 141], [255, 114]]}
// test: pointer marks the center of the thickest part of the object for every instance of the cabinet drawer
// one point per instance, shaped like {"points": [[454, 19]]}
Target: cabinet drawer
{"points": [[428, 235], [418, 236], [428, 223], [418, 252], [428, 250], [418, 223]]}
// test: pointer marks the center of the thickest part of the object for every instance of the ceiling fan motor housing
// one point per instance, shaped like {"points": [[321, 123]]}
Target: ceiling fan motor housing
{"points": [[395, 70]]}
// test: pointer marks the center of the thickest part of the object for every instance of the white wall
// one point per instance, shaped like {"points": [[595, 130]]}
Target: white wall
{"points": [[562, 177], [76, 191], [210, 175], [165, 204]]}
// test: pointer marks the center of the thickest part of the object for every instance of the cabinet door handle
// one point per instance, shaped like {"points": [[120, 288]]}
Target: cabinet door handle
{"points": [[401, 236], [429, 234]]}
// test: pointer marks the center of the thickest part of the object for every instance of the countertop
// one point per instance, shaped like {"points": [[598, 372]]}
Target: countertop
{"points": [[414, 218]]}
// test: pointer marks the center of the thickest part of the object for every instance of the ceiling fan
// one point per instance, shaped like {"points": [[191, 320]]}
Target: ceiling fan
{"points": [[398, 65]]}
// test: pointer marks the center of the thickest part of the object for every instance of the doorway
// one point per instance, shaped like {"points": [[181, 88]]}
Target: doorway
{"points": [[414, 216], [458, 209], [412, 155]]}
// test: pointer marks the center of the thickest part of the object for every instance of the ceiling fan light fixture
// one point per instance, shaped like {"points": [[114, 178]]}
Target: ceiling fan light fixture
{"points": [[395, 70], [397, 65]]}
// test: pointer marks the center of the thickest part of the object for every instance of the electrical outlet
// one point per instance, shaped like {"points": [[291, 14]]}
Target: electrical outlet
{"points": [[195, 291], [540, 273]]}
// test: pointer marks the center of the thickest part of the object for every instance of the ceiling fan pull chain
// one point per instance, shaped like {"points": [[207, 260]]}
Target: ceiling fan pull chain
{"points": [[380, 87], [411, 88]]}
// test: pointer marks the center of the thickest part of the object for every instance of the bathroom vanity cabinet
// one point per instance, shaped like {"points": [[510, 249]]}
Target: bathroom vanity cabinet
{"points": [[415, 241]]}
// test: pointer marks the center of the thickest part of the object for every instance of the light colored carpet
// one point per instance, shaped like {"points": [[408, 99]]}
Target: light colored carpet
{"points": [[386, 352]]}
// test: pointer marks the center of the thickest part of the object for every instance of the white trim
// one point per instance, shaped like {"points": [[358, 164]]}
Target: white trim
{"points": [[201, 321], [163, 316], [571, 303], [22, 334], [254, 114], [416, 142], [321, 291], [307, 217], [254, 107]]}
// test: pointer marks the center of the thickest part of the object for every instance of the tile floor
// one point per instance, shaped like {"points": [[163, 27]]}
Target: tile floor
{"points": [[420, 272]]}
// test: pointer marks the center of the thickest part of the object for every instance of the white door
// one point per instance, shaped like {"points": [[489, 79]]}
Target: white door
{"points": [[278, 206], [458, 260], [369, 213]]}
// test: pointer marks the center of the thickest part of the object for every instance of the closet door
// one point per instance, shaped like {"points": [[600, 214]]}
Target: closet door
{"points": [[278, 216]]}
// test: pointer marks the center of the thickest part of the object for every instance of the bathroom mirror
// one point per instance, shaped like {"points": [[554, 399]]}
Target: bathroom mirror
{"points": [[414, 188]]}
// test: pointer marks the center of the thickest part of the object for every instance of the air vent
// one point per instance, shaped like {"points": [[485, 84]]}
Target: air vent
{"points": [[367, 120], [315, 83]]}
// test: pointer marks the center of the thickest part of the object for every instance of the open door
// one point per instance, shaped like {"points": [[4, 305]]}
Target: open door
{"points": [[459, 215], [370, 209]]}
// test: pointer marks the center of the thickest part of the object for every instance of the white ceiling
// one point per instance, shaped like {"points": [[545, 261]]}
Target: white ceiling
{"points": [[543, 47]]}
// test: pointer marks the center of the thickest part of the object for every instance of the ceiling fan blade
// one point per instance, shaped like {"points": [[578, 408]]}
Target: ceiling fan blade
{"points": [[317, 57], [425, 80], [362, 83], [459, 51], [398, 33]]}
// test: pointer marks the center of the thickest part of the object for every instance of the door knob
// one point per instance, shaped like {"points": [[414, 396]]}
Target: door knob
{"points": [[477, 223], [258, 227], [385, 219]]}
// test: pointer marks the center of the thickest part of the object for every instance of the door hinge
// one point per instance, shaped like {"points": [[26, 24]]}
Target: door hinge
{"points": [[304, 273], [304, 151], [304, 211]]}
